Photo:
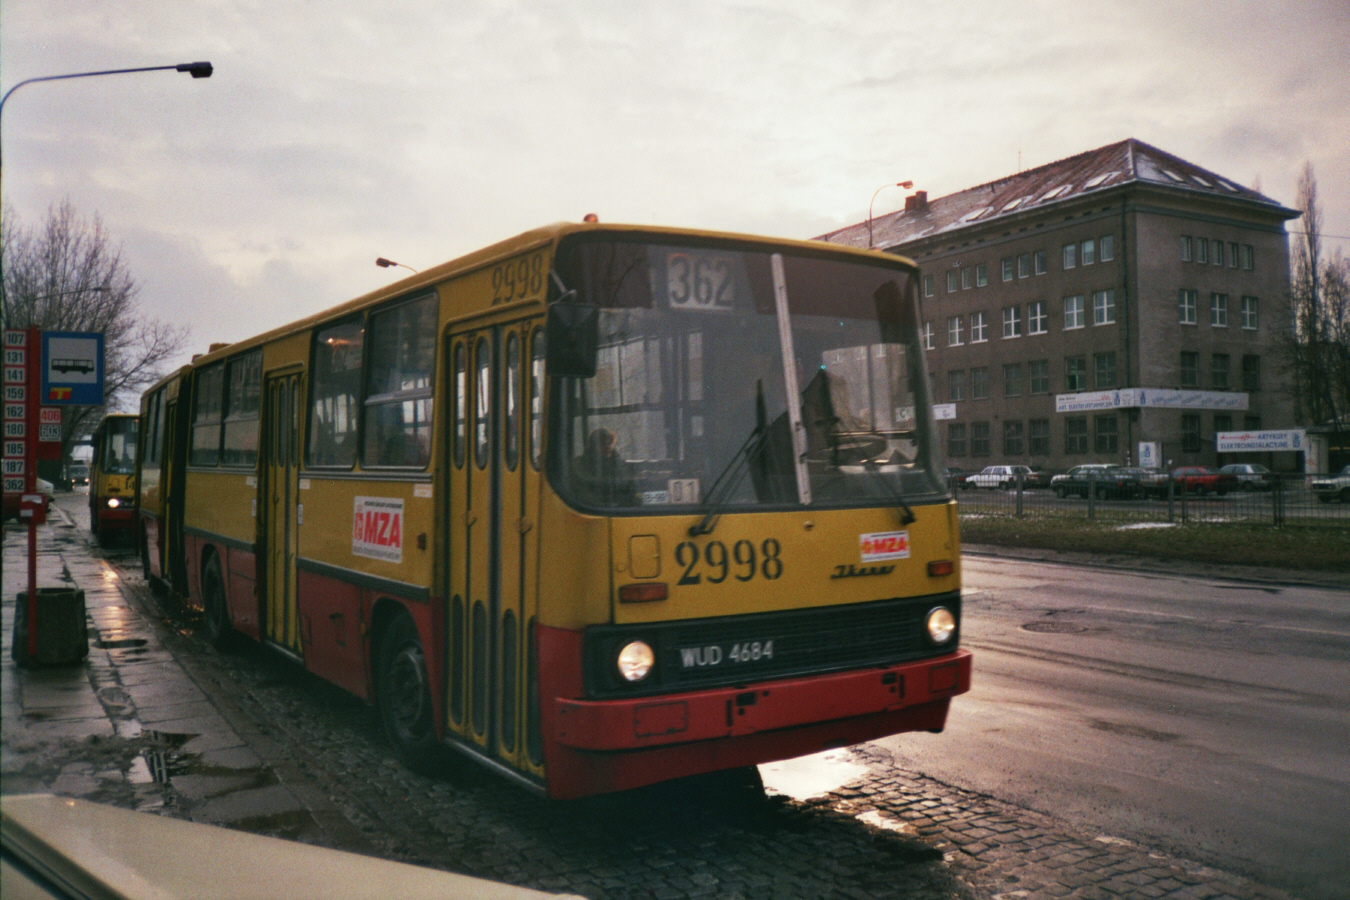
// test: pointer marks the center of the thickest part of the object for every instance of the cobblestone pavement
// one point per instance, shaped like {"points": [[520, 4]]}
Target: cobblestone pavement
{"points": [[263, 746]]}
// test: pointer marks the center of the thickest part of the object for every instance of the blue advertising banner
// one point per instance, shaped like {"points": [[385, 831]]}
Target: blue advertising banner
{"points": [[72, 368]]}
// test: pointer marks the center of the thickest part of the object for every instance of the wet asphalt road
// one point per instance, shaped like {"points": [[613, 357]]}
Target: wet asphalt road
{"points": [[1198, 715], [905, 827]]}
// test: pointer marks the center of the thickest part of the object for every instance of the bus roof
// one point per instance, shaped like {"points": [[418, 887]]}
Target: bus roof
{"points": [[529, 240]]}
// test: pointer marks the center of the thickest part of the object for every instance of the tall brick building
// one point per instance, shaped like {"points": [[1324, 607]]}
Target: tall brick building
{"points": [[1075, 311]]}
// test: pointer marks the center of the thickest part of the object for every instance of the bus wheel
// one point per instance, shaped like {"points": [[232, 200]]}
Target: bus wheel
{"points": [[403, 694], [216, 612]]}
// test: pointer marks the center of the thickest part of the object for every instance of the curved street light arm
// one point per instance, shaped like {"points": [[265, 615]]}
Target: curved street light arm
{"points": [[900, 184]]}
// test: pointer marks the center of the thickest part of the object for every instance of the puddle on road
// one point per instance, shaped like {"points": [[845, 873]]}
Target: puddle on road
{"points": [[811, 776], [165, 761]]}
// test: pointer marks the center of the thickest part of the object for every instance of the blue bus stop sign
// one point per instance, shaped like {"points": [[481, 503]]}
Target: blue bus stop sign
{"points": [[72, 368]]}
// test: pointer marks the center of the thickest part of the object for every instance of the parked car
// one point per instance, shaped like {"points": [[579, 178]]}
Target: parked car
{"points": [[1250, 476], [1153, 482], [998, 477], [1040, 477], [1202, 480], [1333, 487], [957, 477], [1078, 481]]}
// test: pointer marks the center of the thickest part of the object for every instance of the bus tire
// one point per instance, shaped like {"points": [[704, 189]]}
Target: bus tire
{"points": [[215, 610], [403, 695]]}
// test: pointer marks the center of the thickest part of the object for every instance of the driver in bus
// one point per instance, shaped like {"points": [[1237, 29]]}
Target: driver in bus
{"points": [[602, 475]]}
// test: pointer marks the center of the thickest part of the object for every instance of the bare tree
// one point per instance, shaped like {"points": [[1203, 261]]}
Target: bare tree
{"points": [[1319, 349], [66, 275]]}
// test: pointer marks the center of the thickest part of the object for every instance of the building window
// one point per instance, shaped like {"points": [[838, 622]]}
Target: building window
{"points": [[1201, 250], [1089, 254], [979, 383], [1012, 321], [1070, 255], [1012, 380], [1014, 438], [1103, 307], [979, 328], [954, 326], [1038, 437], [979, 438], [1038, 376], [1216, 253], [1186, 304], [1218, 310], [1222, 422], [1073, 313], [951, 281], [956, 439], [1038, 260], [1190, 369], [1075, 373], [928, 285], [1190, 433], [1007, 268], [981, 274], [1105, 365], [1251, 423], [1105, 434], [1107, 247], [1185, 248], [1251, 373], [1075, 435], [1023, 265], [1249, 313], [967, 278], [1248, 257], [1219, 371], [956, 385], [1038, 321], [1232, 255], [928, 343]]}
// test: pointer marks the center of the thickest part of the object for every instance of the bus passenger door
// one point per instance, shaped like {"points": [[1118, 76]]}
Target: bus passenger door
{"points": [[277, 508], [492, 491]]}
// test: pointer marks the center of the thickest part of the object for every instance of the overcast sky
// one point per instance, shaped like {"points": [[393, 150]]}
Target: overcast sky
{"points": [[336, 131]]}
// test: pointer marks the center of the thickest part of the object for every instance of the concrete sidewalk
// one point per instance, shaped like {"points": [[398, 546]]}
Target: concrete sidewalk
{"points": [[130, 726]]}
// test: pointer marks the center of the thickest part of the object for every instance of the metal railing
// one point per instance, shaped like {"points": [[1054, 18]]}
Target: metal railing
{"points": [[1279, 500]]}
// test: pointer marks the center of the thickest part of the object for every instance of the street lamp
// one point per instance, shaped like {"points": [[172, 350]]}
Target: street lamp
{"points": [[389, 263], [900, 184], [195, 69]]}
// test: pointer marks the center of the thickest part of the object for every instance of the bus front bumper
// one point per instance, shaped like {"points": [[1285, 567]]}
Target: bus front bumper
{"points": [[922, 688]]}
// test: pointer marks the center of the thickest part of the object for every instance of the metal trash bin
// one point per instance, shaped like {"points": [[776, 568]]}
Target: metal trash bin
{"points": [[62, 630]]}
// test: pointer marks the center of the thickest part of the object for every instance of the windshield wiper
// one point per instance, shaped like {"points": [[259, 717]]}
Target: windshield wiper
{"points": [[902, 510], [721, 487]]}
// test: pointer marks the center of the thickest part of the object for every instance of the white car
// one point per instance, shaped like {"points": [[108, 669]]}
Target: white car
{"points": [[1333, 487], [998, 477]]}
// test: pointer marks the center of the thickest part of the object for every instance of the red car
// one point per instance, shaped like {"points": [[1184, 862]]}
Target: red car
{"points": [[1202, 480]]}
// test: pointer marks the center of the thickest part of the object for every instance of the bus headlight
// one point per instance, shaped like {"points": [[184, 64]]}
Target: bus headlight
{"points": [[113, 503], [941, 625], [635, 660]]}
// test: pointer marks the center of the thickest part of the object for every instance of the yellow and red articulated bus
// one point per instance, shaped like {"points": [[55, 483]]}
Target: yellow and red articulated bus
{"points": [[597, 506], [112, 478]]}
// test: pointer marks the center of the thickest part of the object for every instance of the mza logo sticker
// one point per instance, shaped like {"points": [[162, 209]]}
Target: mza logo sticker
{"points": [[377, 528], [887, 545]]}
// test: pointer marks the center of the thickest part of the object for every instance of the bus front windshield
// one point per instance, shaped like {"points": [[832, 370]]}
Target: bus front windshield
{"points": [[701, 349], [118, 454]]}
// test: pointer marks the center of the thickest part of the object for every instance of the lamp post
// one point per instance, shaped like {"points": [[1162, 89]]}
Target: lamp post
{"points": [[389, 263], [900, 184], [195, 69]]}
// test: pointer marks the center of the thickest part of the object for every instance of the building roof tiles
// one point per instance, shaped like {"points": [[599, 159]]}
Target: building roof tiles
{"points": [[1062, 181]]}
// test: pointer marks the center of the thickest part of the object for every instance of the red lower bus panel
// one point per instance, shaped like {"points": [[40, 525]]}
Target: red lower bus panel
{"points": [[115, 519], [608, 745]]}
